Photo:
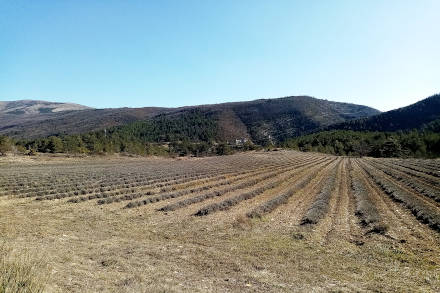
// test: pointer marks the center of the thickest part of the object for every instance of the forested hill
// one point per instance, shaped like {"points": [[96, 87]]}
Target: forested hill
{"points": [[278, 119], [412, 131], [264, 120], [415, 116], [207, 129]]}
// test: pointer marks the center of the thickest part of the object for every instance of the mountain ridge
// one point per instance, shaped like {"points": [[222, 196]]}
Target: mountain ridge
{"points": [[28, 106], [414, 116], [259, 120]]}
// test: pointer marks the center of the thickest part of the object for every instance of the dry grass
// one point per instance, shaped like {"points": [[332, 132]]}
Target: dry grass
{"points": [[21, 272]]}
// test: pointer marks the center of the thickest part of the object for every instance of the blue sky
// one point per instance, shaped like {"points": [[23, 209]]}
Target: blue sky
{"points": [[384, 54]]}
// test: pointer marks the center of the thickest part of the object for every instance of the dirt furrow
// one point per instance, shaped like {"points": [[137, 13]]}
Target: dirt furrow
{"points": [[300, 201], [412, 182], [412, 176], [426, 200], [281, 199], [356, 231], [202, 197], [402, 225], [339, 211], [432, 181], [246, 182], [241, 210], [261, 188]]}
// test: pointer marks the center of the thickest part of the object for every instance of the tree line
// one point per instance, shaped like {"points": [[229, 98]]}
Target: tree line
{"points": [[414, 143], [195, 133], [191, 133], [415, 116]]}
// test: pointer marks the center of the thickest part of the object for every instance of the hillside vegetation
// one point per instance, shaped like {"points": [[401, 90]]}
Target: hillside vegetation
{"points": [[413, 143], [72, 121], [412, 131], [274, 120], [291, 122], [260, 120], [192, 132], [415, 116]]}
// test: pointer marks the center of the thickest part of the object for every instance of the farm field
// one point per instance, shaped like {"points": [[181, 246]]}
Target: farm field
{"points": [[281, 221]]}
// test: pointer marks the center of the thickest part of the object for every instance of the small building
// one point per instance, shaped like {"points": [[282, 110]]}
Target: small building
{"points": [[240, 141]]}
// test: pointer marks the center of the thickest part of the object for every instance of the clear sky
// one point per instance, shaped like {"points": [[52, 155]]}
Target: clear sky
{"points": [[102, 53]]}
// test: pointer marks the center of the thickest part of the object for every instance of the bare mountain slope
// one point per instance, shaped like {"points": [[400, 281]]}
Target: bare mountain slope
{"points": [[32, 107], [31, 119], [22, 112]]}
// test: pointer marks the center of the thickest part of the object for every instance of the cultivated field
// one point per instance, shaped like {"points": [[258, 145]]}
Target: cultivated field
{"points": [[258, 222]]}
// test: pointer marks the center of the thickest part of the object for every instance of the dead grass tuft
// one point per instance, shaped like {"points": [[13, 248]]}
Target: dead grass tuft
{"points": [[21, 272], [242, 222]]}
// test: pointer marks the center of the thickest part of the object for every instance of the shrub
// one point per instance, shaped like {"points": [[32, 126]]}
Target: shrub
{"points": [[5, 145], [366, 211], [321, 204]]}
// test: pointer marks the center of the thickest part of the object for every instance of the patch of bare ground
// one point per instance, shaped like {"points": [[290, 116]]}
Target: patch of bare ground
{"points": [[109, 248]]}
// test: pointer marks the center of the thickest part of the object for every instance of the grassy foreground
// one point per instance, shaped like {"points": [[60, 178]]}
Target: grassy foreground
{"points": [[21, 272]]}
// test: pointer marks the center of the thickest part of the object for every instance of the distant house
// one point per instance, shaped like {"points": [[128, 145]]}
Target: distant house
{"points": [[240, 141]]}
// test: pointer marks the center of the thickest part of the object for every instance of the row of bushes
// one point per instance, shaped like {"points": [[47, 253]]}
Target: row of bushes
{"points": [[228, 203], [170, 189], [422, 211], [203, 196], [365, 207], [283, 198], [420, 188], [321, 204]]}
